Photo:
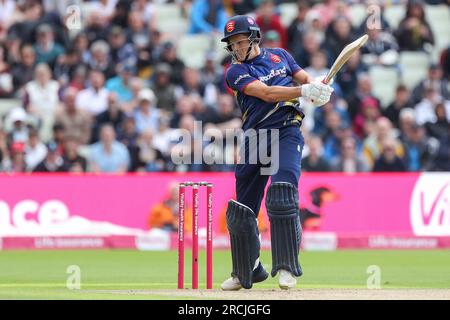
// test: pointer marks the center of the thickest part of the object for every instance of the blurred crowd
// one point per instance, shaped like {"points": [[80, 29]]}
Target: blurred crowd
{"points": [[113, 95]]}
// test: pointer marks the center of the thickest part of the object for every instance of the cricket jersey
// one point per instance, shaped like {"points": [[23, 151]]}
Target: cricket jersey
{"points": [[274, 67]]}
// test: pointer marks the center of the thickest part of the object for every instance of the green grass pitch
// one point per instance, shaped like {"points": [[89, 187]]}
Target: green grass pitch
{"points": [[43, 274]]}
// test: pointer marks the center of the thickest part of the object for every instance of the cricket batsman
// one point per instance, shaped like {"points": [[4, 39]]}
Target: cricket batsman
{"points": [[267, 84]]}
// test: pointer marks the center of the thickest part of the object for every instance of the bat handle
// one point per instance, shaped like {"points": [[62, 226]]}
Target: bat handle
{"points": [[325, 80]]}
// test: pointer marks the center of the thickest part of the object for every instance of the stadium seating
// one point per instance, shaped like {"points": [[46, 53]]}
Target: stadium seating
{"points": [[8, 104], [393, 15], [358, 13], [170, 19], [439, 19], [414, 67], [193, 48], [385, 81], [288, 12]]}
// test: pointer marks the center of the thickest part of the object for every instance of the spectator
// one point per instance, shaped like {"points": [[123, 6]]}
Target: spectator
{"points": [[105, 8], [434, 80], [164, 89], [121, 83], [113, 115], [318, 67], [146, 116], [7, 8], [93, 99], [272, 39], [148, 11], [440, 128], [136, 85], [419, 148], [369, 111], [314, 24], [122, 52], [225, 117], [164, 215], [47, 50], [96, 26], [23, 70], [164, 136], [108, 155], [6, 83], [35, 150], [77, 122], [185, 106], [407, 119], [81, 46], [348, 76], [329, 10], [320, 120], [388, 161], [380, 49], [192, 86], [73, 161], [169, 56], [363, 91], [100, 59], [211, 73], [137, 32], [414, 31], [401, 101], [59, 136], [42, 99], [53, 162], [425, 108], [314, 161], [207, 16], [17, 119], [348, 160], [445, 62], [149, 155], [129, 137], [15, 164], [373, 144], [267, 19], [298, 27], [338, 36], [303, 51]]}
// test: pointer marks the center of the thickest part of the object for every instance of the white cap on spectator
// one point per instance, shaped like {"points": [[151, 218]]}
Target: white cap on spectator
{"points": [[148, 95], [408, 113], [17, 114]]}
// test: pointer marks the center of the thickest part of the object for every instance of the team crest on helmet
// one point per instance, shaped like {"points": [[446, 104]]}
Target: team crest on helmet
{"points": [[250, 20], [230, 26], [275, 58]]}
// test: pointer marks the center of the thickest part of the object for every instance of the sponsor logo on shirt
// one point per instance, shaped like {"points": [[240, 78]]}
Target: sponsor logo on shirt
{"points": [[275, 58], [242, 76], [273, 73], [230, 26]]}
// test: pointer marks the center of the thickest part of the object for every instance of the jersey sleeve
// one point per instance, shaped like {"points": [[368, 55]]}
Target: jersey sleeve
{"points": [[238, 77], [291, 62]]}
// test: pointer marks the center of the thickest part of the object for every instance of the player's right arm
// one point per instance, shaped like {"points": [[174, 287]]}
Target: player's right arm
{"points": [[272, 93], [239, 79]]}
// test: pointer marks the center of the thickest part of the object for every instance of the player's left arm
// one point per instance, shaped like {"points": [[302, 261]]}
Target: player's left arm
{"points": [[302, 77]]}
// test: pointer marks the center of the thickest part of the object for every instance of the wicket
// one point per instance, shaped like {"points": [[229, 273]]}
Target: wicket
{"points": [[195, 213]]}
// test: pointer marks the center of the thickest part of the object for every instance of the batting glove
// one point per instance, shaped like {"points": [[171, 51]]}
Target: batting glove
{"points": [[317, 92]]}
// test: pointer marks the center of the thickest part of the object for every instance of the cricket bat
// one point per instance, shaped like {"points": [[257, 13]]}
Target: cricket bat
{"points": [[343, 57]]}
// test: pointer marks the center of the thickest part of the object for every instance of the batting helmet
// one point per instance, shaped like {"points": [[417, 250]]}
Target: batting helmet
{"points": [[239, 25]]}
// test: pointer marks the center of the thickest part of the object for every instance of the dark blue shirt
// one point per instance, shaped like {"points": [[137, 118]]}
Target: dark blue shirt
{"points": [[274, 67]]}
